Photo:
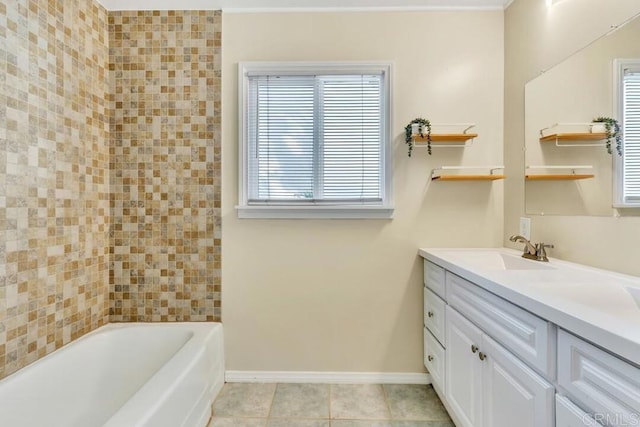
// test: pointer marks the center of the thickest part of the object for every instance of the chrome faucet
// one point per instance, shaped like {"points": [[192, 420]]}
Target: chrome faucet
{"points": [[535, 252], [530, 251]]}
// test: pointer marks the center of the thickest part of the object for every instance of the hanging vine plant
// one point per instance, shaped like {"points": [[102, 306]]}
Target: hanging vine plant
{"points": [[612, 130], [423, 129]]}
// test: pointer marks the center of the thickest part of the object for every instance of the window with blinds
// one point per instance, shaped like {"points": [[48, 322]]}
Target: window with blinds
{"points": [[631, 134], [628, 167], [315, 137]]}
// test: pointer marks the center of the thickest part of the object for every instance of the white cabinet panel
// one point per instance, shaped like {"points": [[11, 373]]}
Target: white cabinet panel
{"points": [[434, 278], [513, 394], [569, 415], [608, 387], [463, 373], [434, 315], [529, 337], [434, 359]]}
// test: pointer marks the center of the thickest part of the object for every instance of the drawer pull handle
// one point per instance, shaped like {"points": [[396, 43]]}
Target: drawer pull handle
{"points": [[474, 349], [482, 356], [430, 314], [430, 358]]}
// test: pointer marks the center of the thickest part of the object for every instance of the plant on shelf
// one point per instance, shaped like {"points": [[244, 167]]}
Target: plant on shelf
{"points": [[612, 130], [421, 127]]}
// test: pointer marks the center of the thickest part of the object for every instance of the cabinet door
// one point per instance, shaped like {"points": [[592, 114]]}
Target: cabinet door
{"points": [[463, 371], [513, 393]]}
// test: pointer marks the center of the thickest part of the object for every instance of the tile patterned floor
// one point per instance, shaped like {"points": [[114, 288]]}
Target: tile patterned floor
{"points": [[324, 405]]}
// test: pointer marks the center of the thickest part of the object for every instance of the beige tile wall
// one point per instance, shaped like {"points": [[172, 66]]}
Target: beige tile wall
{"points": [[165, 164], [54, 176], [74, 198]]}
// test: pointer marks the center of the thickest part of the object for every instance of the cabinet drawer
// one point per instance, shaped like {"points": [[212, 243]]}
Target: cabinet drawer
{"points": [[434, 278], [434, 359], [607, 387], [531, 338], [434, 315], [569, 415]]}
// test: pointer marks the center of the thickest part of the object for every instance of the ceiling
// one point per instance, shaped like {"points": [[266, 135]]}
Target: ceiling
{"points": [[304, 5]]}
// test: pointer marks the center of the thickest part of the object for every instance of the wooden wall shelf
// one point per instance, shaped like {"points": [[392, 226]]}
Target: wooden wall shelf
{"points": [[574, 136], [558, 177], [467, 177], [447, 137]]}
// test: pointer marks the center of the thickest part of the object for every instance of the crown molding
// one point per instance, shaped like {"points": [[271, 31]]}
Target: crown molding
{"points": [[262, 6]]}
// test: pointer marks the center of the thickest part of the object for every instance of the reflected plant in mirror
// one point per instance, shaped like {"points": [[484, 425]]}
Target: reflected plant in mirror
{"points": [[612, 129], [571, 116]]}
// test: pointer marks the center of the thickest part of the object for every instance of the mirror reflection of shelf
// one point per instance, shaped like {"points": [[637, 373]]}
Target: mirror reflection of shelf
{"points": [[448, 135], [572, 175], [482, 173], [574, 132]]}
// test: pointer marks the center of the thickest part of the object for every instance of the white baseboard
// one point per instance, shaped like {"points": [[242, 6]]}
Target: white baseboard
{"points": [[327, 377]]}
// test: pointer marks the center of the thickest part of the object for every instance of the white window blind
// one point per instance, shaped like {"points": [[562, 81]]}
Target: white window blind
{"points": [[315, 139], [631, 132]]}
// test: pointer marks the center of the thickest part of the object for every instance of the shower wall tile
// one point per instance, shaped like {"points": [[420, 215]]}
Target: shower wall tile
{"points": [[54, 176], [165, 165]]}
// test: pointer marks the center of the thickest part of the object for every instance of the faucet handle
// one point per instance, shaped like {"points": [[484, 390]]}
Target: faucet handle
{"points": [[541, 252]]}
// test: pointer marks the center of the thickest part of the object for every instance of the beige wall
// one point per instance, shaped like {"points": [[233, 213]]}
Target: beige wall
{"points": [[346, 295], [537, 38]]}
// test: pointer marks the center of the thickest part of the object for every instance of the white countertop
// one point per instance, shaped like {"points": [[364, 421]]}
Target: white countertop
{"points": [[600, 306]]}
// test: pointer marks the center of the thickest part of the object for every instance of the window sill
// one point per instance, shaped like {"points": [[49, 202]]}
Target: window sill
{"points": [[315, 212]]}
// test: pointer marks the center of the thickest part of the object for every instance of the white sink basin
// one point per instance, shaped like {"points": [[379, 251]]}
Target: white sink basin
{"points": [[493, 261], [635, 294]]}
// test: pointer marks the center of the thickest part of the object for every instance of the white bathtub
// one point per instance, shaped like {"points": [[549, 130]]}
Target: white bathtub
{"points": [[121, 375]]}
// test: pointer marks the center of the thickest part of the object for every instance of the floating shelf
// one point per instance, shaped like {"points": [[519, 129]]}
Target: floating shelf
{"points": [[489, 176], [573, 176], [459, 135], [572, 132], [573, 136], [447, 137], [493, 177], [559, 177]]}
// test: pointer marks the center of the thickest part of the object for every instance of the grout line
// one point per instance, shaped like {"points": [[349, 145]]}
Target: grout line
{"points": [[330, 413], [273, 399], [386, 401]]}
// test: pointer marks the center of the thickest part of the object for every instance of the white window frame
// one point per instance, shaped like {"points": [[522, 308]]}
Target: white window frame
{"points": [[619, 66], [336, 210]]}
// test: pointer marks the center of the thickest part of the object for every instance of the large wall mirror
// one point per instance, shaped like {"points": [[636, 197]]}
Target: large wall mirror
{"points": [[568, 170]]}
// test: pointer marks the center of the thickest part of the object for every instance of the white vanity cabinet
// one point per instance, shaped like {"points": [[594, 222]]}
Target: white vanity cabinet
{"points": [[498, 347], [484, 384], [487, 385]]}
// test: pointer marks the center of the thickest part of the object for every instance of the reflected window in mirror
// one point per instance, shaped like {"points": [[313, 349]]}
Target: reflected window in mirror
{"points": [[627, 167]]}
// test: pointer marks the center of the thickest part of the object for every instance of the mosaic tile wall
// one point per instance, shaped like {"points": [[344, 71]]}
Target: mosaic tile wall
{"points": [[165, 164], [54, 176]]}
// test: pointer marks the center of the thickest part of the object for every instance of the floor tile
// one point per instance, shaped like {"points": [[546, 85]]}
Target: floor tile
{"points": [[301, 401], [289, 422], [238, 422], [414, 402], [362, 401], [244, 400], [360, 423]]}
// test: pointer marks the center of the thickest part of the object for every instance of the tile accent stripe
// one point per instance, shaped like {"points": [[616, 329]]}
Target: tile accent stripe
{"points": [[165, 164]]}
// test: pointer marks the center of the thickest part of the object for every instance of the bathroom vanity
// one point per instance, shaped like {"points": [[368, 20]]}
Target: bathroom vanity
{"points": [[510, 341]]}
